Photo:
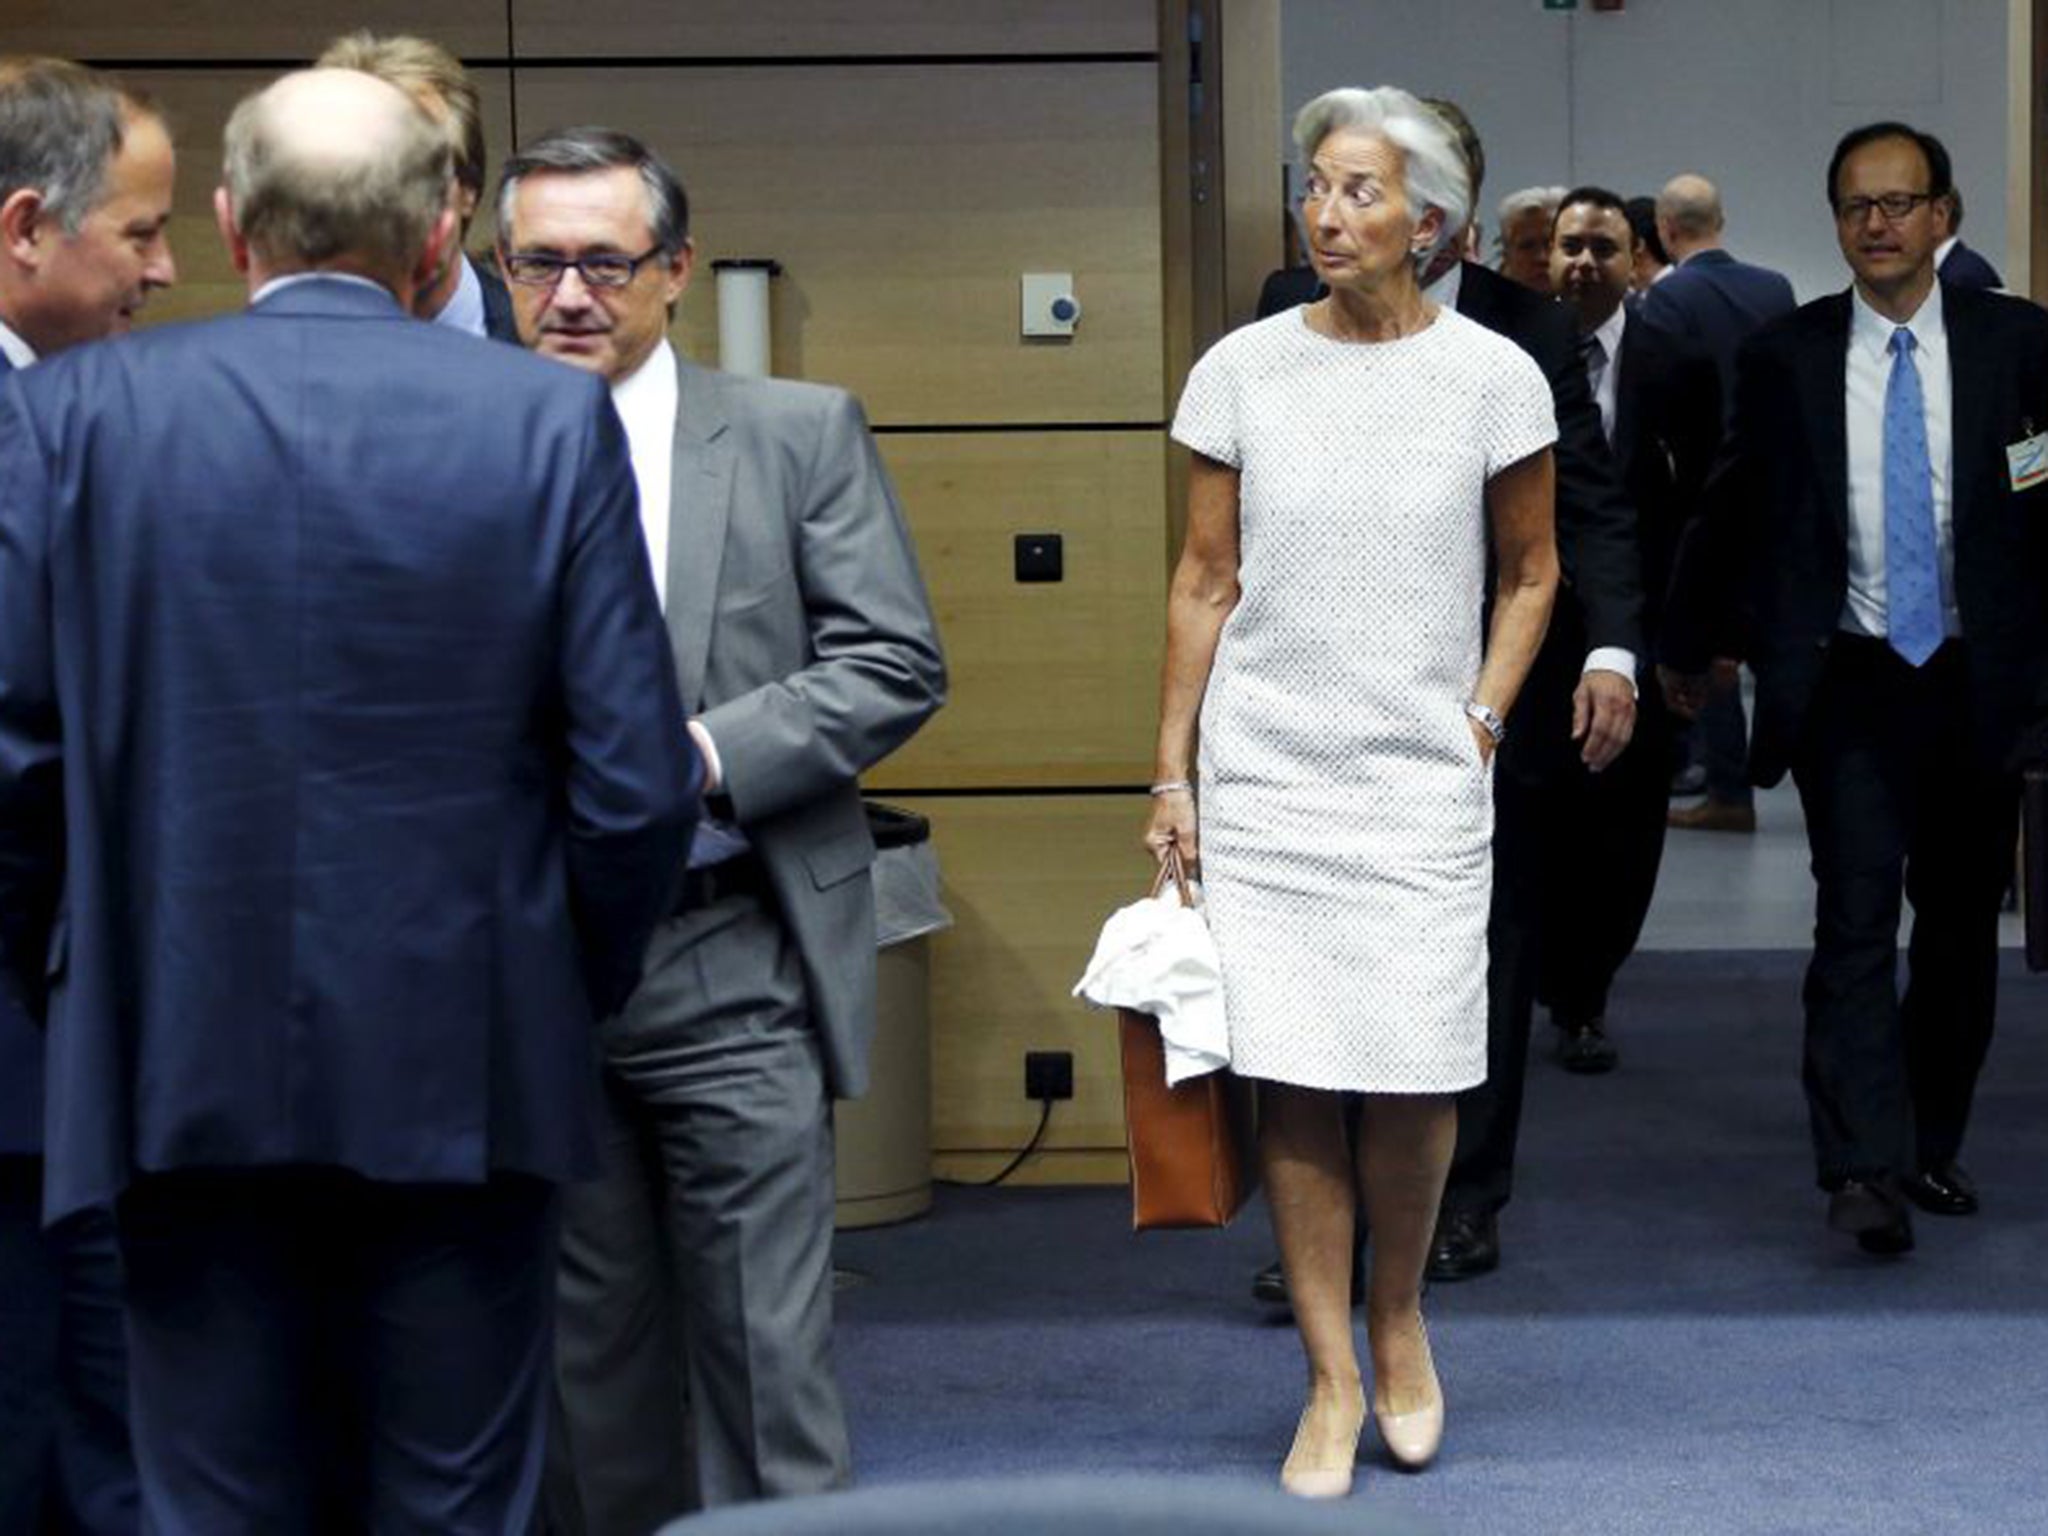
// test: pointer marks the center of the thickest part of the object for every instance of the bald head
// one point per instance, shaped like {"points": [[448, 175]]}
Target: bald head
{"points": [[1688, 215], [333, 169]]}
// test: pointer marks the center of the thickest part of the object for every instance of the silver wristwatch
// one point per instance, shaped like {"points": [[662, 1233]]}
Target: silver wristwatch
{"points": [[1491, 723]]}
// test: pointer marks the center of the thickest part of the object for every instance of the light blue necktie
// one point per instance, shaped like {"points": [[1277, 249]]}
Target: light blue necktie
{"points": [[1912, 573]]}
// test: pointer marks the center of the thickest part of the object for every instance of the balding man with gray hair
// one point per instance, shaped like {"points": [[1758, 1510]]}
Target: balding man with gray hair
{"points": [[1525, 220], [368, 790], [1711, 303]]}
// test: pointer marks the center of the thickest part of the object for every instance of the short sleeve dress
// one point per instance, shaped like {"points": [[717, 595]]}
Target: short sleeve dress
{"points": [[1345, 816]]}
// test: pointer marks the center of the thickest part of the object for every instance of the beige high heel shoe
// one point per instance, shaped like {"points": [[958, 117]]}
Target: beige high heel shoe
{"points": [[1414, 1438], [1321, 1482]]}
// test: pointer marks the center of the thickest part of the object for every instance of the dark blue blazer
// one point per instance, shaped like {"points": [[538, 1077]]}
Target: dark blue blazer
{"points": [[21, 1042], [1765, 573], [1964, 268], [1713, 303], [336, 704]]}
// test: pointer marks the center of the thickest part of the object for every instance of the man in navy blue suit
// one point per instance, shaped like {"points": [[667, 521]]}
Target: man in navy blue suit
{"points": [[85, 195], [342, 779], [1710, 302]]}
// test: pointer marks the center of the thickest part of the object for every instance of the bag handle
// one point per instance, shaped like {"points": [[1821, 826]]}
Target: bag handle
{"points": [[1171, 865]]}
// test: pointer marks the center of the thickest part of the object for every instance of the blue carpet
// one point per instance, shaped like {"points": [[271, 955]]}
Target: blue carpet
{"points": [[1674, 1344]]}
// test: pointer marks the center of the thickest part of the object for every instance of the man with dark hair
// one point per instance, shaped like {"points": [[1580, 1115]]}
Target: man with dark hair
{"points": [[1660, 408], [1875, 549], [466, 293], [1577, 712], [85, 195], [698, 1267], [340, 787], [1651, 262]]}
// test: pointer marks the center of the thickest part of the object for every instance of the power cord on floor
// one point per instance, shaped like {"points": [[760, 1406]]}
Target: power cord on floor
{"points": [[1044, 1119]]}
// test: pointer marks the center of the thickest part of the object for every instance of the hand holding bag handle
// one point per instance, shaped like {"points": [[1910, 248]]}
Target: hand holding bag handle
{"points": [[1191, 1148]]}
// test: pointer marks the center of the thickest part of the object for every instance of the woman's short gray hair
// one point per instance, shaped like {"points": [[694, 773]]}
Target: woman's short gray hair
{"points": [[1433, 171]]}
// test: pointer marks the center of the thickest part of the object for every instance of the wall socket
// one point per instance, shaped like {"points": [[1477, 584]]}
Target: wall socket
{"points": [[1048, 1075]]}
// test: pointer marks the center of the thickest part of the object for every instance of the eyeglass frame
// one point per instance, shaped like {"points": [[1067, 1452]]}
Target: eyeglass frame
{"points": [[562, 264], [1856, 210]]}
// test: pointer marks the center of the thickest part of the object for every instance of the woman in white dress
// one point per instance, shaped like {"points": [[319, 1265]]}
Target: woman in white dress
{"points": [[1324, 628]]}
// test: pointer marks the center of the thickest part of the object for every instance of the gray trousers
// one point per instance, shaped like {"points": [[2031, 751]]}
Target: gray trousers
{"points": [[693, 1343]]}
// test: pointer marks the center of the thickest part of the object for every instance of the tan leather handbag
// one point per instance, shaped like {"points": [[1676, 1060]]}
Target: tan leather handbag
{"points": [[1192, 1148]]}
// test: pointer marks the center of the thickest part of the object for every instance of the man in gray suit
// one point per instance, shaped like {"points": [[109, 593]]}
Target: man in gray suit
{"points": [[696, 1276]]}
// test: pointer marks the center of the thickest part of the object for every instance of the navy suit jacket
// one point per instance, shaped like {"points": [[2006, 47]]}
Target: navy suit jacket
{"points": [[1714, 302], [21, 1042], [1964, 268], [336, 702], [1765, 575]]}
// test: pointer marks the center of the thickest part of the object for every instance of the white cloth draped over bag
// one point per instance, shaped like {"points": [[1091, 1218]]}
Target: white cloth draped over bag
{"points": [[1157, 957]]}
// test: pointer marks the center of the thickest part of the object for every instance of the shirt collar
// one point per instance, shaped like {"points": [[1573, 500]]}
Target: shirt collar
{"points": [[19, 352], [293, 279], [1609, 334], [1873, 332], [644, 385], [464, 310]]}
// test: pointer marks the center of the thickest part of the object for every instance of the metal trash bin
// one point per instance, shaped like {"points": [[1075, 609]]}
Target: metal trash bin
{"points": [[885, 1138]]}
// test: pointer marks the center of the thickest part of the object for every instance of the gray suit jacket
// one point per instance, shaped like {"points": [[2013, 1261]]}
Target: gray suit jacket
{"points": [[804, 640]]}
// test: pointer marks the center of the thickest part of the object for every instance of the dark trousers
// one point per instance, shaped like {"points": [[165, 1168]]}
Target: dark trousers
{"points": [[1603, 843], [694, 1363], [1724, 747], [1898, 804], [1490, 1116], [312, 1351], [65, 1464]]}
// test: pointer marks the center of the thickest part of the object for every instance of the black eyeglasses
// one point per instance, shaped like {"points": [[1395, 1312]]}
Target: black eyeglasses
{"points": [[1893, 205], [531, 269]]}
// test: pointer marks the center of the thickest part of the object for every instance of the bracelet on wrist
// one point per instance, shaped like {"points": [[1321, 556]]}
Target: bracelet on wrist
{"points": [[1172, 787]]}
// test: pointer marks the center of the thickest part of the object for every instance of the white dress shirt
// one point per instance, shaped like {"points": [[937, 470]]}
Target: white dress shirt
{"points": [[1609, 337], [647, 399], [293, 279], [1868, 372], [17, 351], [464, 310]]}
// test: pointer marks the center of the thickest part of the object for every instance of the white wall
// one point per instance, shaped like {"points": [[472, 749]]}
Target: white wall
{"points": [[1752, 93]]}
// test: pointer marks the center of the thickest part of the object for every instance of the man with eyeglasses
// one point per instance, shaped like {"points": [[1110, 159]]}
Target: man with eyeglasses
{"points": [[1874, 548], [698, 1268]]}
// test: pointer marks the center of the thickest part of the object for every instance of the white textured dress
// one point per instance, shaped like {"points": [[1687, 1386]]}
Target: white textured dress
{"points": [[1346, 819]]}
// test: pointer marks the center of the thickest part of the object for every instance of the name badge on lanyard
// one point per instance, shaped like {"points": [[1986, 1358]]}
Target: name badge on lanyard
{"points": [[2026, 461]]}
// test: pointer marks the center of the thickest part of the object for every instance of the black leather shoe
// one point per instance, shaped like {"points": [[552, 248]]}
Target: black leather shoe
{"points": [[1467, 1245], [1874, 1215], [1583, 1047], [1943, 1191], [1270, 1284]]}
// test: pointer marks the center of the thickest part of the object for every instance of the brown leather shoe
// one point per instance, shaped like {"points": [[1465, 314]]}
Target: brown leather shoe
{"points": [[1712, 815]]}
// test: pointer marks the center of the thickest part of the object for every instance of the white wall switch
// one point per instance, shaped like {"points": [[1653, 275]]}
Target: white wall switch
{"points": [[1049, 305]]}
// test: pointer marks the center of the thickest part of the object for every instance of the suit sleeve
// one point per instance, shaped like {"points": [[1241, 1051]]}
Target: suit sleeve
{"points": [[1596, 527], [875, 673], [1704, 612], [31, 742], [633, 779]]}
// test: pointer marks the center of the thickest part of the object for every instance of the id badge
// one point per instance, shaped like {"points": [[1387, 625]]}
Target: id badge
{"points": [[2026, 461]]}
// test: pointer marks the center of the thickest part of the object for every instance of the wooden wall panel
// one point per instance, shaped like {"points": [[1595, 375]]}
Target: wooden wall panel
{"points": [[855, 28], [1052, 683], [1029, 880], [112, 30], [197, 104], [905, 202]]}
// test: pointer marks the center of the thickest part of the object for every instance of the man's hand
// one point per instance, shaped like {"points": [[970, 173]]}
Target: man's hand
{"points": [[1685, 693], [1603, 716]]}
